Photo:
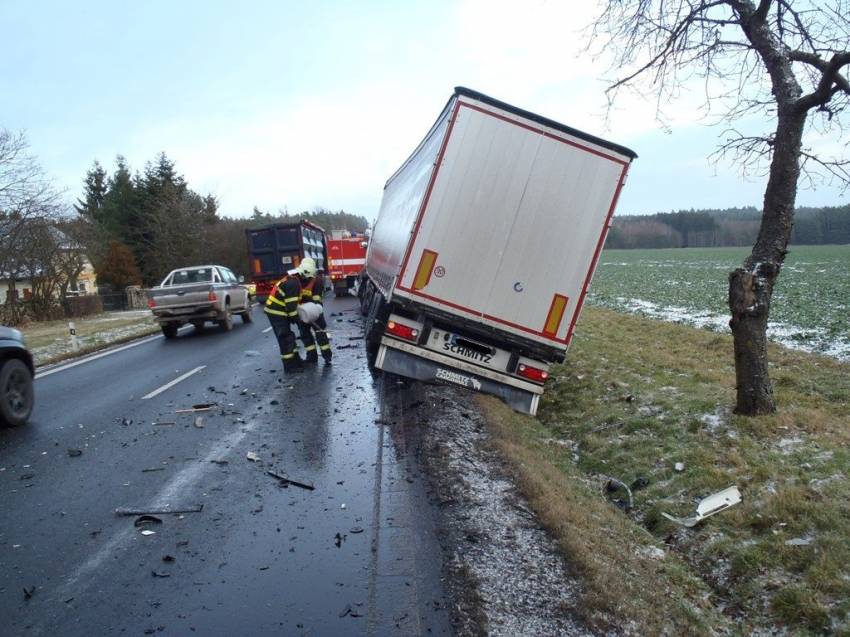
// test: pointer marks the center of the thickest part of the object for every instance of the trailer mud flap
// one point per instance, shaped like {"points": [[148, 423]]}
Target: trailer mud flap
{"points": [[398, 362]]}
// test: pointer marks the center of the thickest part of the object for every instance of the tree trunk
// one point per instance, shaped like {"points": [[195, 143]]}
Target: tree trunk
{"points": [[751, 286]]}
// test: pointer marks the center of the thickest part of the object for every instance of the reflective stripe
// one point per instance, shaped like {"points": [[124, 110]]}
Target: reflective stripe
{"points": [[293, 313], [309, 348], [286, 357], [267, 310], [274, 299], [325, 347], [290, 299], [316, 297]]}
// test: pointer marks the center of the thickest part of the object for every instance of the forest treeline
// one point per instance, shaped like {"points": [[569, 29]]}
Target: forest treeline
{"points": [[139, 226], [728, 227]]}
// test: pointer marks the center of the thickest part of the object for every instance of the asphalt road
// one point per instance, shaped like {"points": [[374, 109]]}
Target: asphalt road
{"points": [[355, 556]]}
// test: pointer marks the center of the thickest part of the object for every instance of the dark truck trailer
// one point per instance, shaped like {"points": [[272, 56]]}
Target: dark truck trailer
{"points": [[484, 248], [278, 248]]}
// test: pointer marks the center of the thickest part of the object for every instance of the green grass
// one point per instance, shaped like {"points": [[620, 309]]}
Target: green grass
{"points": [[810, 302], [637, 396]]}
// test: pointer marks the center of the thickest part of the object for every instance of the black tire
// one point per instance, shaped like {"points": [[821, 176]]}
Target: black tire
{"points": [[16, 393], [366, 295], [226, 323], [373, 326], [169, 330], [247, 316], [199, 326]]}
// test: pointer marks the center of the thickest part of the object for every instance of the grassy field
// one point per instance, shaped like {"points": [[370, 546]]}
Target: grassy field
{"points": [[635, 398], [49, 341], [810, 303]]}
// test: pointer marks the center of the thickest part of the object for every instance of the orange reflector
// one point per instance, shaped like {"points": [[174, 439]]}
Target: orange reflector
{"points": [[556, 313], [426, 267], [257, 266]]}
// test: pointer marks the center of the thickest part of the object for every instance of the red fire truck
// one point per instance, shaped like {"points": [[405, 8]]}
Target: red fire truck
{"points": [[346, 258]]}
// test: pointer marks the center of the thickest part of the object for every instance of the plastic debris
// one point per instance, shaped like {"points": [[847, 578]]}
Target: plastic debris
{"points": [[679, 467], [142, 520], [219, 462], [253, 457], [147, 532], [162, 511], [75, 453], [199, 422], [613, 486], [164, 423], [151, 469], [160, 574], [168, 558], [29, 592], [356, 529], [707, 507], [286, 481]]}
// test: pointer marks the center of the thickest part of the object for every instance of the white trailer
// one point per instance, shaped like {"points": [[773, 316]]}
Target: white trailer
{"points": [[484, 248]]}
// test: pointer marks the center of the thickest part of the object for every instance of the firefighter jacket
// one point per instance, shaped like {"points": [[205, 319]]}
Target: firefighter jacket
{"points": [[284, 298], [311, 292]]}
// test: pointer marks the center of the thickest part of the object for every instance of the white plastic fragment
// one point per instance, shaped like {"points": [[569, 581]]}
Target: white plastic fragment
{"points": [[679, 466], [147, 532], [707, 507], [253, 457]]}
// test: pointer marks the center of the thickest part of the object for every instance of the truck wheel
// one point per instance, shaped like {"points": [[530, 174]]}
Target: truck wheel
{"points": [[16, 393], [226, 323], [246, 316], [373, 329], [199, 326], [366, 299], [169, 330]]}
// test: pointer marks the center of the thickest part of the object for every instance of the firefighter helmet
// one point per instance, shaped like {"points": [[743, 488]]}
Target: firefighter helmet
{"points": [[307, 268]]}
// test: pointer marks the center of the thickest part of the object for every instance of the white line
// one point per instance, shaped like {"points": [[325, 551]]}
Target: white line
{"points": [[88, 359], [157, 392], [268, 329]]}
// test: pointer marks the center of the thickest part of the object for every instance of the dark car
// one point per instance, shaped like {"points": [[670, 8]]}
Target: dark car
{"points": [[16, 374]]}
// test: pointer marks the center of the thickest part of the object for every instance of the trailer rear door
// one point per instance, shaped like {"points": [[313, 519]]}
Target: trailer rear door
{"points": [[512, 223]]}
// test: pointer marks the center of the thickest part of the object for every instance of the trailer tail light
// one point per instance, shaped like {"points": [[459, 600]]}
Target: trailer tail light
{"points": [[532, 373], [151, 303], [212, 297], [402, 331]]}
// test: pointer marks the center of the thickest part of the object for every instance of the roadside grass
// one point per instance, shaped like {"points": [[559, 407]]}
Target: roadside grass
{"points": [[49, 341], [634, 398]]}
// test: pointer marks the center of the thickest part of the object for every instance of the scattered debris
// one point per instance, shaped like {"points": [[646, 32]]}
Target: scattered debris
{"points": [[253, 457], [150, 469], [799, 541], [354, 338], [613, 486], [160, 574], [219, 462], [640, 483], [339, 539], [707, 507], [75, 453], [199, 407], [345, 611], [27, 476], [679, 467], [163, 511], [164, 423], [356, 529], [168, 558], [342, 506], [147, 532], [29, 592], [199, 422], [142, 520], [346, 346], [286, 481]]}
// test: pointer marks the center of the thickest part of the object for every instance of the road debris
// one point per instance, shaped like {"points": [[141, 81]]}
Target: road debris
{"points": [[199, 422], [349, 611], [142, 520], [160, 574], [286, 481], [253, 457], [612, 486], [168, 558], [164, 423], [151, 469], [679, 467], [339, 539], [162, 511], [219, 462], [199, 407], [356, 529], [707, 507], [29, 592], [147, 532], [75, 453]]}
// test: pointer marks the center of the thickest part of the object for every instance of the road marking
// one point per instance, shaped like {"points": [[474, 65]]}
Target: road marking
{"points": [[88, 359], [157, 392], [268, 329]]}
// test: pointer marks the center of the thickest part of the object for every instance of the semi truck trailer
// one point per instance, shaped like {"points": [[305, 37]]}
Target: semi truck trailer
{"points": [[484, 248]]}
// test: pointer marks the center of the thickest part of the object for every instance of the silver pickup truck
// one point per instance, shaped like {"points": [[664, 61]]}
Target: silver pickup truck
{"points": [[196, 295]]}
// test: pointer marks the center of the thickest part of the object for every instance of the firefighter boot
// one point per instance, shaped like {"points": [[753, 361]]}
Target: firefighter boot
{"points": [[311, 356], [293, 365], [327, 355]]}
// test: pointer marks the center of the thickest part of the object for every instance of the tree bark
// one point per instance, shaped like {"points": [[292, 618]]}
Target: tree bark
{"points": [[751, 286]]}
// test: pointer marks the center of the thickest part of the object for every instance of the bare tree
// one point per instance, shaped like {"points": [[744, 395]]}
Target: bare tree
{"points": [[26, 196], [783, 61]]}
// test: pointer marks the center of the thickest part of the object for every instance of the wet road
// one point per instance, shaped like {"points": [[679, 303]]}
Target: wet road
{"points": [[355, 556]]}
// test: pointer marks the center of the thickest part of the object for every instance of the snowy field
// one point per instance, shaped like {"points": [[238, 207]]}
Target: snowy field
{"points": [[689, 285]]}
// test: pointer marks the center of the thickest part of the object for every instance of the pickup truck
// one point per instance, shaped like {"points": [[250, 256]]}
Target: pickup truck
{"points": [[196, 295]]}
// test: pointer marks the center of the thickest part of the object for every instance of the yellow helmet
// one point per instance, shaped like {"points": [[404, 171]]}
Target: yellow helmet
{"points": [[307, 268]]}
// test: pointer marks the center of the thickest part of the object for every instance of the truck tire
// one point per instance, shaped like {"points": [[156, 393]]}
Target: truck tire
{"points": [[198, 325], [246, 316], [366, 293], [373, 327], [169, 330], [16, 393], [226, 323]]}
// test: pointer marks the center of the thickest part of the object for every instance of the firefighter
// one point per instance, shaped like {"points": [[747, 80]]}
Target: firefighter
{"points": [[281, 308], [313, 284]]}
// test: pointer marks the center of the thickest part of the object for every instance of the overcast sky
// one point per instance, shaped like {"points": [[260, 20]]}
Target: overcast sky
{"points": [[304, 104]]}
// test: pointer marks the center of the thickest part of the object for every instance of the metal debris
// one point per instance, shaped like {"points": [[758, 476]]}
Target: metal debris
{"points": [[162, 511], [286, 481], [29, 592], [151, 469], [147, 519], [707, 507], [164, 423], [199, 407], [75, 453], [160, 574]]}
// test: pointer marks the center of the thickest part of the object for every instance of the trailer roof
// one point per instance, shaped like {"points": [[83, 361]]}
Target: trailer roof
{"points": [[545, 121]]}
